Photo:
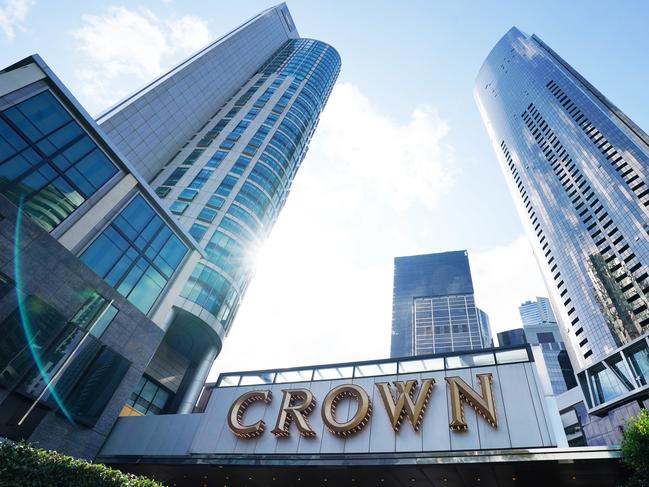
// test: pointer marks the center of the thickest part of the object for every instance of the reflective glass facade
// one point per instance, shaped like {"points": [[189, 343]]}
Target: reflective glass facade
{"points": [[47, 160], [578, 170], [137, 253], [229, 183], [433, 307], [485, 329]]}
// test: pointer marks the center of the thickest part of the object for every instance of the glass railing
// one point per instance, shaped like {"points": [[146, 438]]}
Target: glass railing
{"points": [[410, 365]]}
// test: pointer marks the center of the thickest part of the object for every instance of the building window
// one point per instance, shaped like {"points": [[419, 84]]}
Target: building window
{"points": [[546, 337], [197, 231], [149, 397], [191, 159], [187, 194], [215, 202], [178, 207], [48, 161], [640, 362], [207, 215], [136, 254], [162, 191], [175, 176]]}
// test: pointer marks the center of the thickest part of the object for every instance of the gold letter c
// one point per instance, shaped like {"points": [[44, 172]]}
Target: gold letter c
{"points": [[238, 408]]}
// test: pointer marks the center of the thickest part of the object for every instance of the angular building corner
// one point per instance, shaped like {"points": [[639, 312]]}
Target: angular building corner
{"points": [[145, 283], [578, 170]]}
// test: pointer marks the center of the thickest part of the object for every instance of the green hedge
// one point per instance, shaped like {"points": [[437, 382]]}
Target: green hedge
{"points": [[23, 465], [635, 449]]}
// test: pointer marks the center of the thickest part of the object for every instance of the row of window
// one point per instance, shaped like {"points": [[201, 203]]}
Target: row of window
{"points": [[615, 252], [628, 174], [262, 192], [600, 226], [545, 245]]}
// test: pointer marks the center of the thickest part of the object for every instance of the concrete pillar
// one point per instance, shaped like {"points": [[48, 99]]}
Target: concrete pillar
{"points": [[196, 385]]}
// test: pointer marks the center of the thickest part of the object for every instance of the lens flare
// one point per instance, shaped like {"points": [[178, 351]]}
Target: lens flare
{"points": [[25, 318]]}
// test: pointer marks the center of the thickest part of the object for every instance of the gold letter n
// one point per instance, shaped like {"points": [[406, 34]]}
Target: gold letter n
{"points": [[484, 406]]}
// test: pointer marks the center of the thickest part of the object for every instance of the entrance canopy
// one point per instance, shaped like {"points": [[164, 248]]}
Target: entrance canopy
{"points": [[586, 466]]}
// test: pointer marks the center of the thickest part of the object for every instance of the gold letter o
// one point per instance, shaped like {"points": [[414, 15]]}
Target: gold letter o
{"points": [[358, 421]]}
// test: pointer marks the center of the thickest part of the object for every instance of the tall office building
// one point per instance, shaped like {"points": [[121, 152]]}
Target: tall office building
{"points": [[535, 313], [578, 170], [433, 307], [541, 328], [220, 138], [116, 299], [485, 329]]}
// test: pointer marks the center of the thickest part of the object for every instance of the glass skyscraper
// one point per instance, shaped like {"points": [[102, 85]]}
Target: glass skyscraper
{"points": [[226, 173], [115, 296], [433, 306], [578, 169]]}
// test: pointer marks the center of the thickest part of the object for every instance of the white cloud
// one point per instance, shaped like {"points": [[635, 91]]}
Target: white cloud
{"points": [[398, 164], [13, 14], [323, 289], [503, 278], [123, 48]]}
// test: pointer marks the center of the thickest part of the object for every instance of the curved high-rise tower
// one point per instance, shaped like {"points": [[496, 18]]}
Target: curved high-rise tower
{"points": [[578, 169], [220, 139]]}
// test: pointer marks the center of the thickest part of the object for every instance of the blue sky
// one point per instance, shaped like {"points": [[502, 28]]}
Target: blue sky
{"points": [[400, 165]]}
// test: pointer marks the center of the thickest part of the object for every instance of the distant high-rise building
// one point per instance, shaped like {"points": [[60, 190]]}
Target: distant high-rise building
{"points": [[485, 329], [541, 328], [537, 312], [510, 338], [115, 299], [433, 307], [578, 169]]}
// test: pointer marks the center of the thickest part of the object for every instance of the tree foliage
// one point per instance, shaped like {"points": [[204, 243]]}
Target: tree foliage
{"points": [[635, 449], [23, 465]]}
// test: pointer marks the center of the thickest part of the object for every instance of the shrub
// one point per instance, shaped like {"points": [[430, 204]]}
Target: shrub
{"points": [[635, 449], [23, 465]]}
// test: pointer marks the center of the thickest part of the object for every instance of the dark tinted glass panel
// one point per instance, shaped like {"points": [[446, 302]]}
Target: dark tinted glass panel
{"points": [[41, 326], [149, 397], [90, 395], [6, 285], [545, 337]]}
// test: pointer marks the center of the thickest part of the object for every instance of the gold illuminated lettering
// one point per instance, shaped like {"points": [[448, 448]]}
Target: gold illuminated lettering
{"points": [[407, 402], [360, 418], [296, 405], [484, 406], [237, 410]]}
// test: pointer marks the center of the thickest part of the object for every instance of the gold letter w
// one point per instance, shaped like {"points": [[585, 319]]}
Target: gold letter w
{"points": [[404, 404]]}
